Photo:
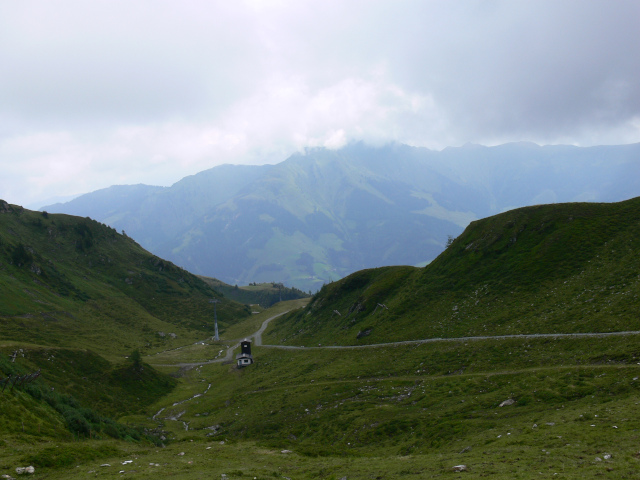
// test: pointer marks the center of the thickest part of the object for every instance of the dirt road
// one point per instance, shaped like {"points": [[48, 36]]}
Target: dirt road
{"points": [[257, 341]]}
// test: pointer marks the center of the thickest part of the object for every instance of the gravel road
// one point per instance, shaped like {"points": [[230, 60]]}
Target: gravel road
{"points": [[257, 341]]}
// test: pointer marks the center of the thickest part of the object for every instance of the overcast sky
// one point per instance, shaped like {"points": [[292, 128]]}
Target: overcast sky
{"points": [[96, 93]]}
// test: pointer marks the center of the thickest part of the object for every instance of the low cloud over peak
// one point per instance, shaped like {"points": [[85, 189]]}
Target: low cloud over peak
{"points": [[97, 93]]}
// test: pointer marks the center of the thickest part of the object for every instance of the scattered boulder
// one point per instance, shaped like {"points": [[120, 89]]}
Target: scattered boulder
{"points": [[21, 470], [460, 468], [507, 402]]}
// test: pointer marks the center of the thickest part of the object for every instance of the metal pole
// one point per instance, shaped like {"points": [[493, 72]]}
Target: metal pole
{"points": [[215, 318]]}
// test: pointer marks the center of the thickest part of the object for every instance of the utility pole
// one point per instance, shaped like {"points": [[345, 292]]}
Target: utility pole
{"points": [[215, 317]]}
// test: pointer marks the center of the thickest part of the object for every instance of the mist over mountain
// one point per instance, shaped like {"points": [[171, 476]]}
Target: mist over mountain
{"points": [[322, 214]]}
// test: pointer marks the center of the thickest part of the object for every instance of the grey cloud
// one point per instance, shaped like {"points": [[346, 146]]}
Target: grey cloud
{"points": [[105, 60], [543, 69], [533, 68], [177, 85], [493, 68]]}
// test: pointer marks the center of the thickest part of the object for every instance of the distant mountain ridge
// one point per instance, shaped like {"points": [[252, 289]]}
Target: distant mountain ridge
{"points": [[323, 214]]}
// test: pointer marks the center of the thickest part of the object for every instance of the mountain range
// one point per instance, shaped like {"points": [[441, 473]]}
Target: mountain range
{"points": [[323, 214]]}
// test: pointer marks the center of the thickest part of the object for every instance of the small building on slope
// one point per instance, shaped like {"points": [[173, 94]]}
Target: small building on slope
{"points": [[245, 358]]}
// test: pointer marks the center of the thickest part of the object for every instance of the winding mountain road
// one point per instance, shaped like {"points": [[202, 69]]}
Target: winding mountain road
{"points": [[463, 339], [228, 357], [257, 339]]}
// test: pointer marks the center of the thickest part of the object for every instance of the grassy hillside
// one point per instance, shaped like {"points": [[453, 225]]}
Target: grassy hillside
{"points": [[70, 281], [418, 399], [391, 412], [77, 394], [405, 411], [76, 299], [263, 294], [547, 269], [409, 411]]}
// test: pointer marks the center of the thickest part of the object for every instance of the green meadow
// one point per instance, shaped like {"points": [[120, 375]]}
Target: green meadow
{"points": [[408, 411], [324, 399]]}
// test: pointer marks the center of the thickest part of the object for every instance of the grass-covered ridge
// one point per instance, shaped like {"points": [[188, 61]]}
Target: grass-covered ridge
{"points": [[70, 281], [263, 294], [546, 269], [76, 298]]}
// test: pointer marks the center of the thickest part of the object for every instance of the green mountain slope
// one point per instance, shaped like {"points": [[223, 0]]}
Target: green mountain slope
{"points": [[153, 215], [323, 214], [263, 294], [76, 298], [73, 282], [73, 393], [413, 410], [564, 268]]}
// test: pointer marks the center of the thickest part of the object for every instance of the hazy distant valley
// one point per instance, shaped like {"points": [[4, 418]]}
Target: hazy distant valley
{"points": [[322, 215]]}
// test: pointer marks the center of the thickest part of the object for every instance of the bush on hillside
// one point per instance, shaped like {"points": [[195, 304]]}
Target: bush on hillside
{"points": [[20, 256]]}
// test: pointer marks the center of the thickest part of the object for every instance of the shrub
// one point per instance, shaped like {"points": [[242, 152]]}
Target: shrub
{"points": [[20, 256], [76, 422]]}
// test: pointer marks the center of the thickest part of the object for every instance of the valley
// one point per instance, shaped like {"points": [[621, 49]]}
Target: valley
{"points": [[304, 240], [320, 215], [514, 359], [409, 411]]}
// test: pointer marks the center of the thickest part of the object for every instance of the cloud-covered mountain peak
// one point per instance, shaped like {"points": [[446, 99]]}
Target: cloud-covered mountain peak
{"points": [[322, 214]]}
